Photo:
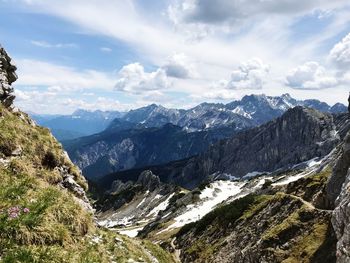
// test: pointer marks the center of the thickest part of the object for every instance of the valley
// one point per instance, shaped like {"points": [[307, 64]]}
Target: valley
{"points": [[176, 131]]}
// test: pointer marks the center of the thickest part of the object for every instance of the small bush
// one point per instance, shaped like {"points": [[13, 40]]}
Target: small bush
{"points": [[7, 147], [50, 160]]}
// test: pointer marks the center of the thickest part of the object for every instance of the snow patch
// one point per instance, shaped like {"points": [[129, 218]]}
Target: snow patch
{"points": [[252, 174], [130, 232], [162, 206], [210, 197], [109, 223]]}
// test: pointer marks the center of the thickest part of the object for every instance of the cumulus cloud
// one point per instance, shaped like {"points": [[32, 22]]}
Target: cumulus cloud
{"points": [[221, 94], [179, 66], [132, 78], [340, 53], [310, 76], [249, 75]]}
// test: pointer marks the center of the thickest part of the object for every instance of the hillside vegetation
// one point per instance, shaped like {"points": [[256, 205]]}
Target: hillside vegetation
{"points": [[44, 212]]}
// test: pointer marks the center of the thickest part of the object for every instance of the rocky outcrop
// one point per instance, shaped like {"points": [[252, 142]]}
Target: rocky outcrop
{"points": [[134, 203], [148, 180], [7, 77], [339, 192]]}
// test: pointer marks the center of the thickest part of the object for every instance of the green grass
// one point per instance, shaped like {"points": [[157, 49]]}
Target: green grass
{"points": [[48, 225]]}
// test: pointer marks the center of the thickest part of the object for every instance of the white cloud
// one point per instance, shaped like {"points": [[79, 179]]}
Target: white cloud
{"points": [[106, 49], [179, 66], [265, 34], [45, 44], [310, 76], [40, 73], [249, 75], [217, 95], [340, 53], [132, 78]]}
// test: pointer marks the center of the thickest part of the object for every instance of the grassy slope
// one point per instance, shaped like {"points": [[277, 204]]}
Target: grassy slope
{"points": [[207, 236], [56, 228]]}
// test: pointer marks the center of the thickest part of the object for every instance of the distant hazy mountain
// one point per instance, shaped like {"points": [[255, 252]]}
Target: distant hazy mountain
{"points": [[80, 123]]}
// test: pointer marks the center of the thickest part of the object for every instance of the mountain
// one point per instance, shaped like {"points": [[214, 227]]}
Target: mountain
{"points": [[295, 214], [298, 135], [115, 149], [204, 125], [45, 215], [256, 109], [80, 123], [338, 108], [153, 116], [251, 110]]}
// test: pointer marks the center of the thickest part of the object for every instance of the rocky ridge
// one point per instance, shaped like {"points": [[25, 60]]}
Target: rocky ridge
{"points": [[7, 77], [297, 136]]}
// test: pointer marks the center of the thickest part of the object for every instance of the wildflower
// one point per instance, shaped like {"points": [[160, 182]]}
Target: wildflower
{"points": [[14, 209], [26, 210], [13, 215]]}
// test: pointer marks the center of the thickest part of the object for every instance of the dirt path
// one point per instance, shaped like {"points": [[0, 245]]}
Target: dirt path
{"points": [[308, 204]]}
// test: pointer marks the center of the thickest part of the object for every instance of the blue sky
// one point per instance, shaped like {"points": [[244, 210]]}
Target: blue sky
{"points": [[118, 55]]}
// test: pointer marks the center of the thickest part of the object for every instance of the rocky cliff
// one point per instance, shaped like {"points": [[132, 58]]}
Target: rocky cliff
{"points": [[7, 77], [339, 193]]}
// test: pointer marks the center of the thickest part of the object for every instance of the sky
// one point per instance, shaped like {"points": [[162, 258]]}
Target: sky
{"points": [[124, 54]]}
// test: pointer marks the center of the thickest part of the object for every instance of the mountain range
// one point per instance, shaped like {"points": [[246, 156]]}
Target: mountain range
{"points": [[298, 135], [154, 135], [250, 111]]}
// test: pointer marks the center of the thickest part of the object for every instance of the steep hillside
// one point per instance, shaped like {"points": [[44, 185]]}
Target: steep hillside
{"points": [[302, 221], [45, 215]]}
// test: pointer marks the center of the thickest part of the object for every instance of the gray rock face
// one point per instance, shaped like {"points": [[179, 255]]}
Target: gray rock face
{"points": [[7, 77], [338, 187], [148, 180], [299, 135]]}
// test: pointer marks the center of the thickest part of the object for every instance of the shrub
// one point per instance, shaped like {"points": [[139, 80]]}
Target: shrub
{"points": [[7, 146], [50, 160]]}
